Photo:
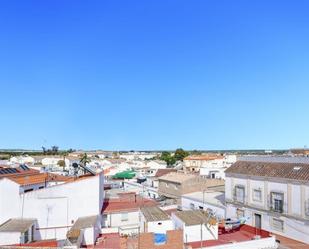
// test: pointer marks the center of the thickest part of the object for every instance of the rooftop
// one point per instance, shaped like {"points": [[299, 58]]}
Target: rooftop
{"points": [[177, 177], [245, 233], [126, 204], [162, 172], [23, 175], [194, 217], [286, 170], [275, 159], [37, 178], [40, 244], [109, 241], [204, 157], [17, 225], [154, 214], [85, 222]]}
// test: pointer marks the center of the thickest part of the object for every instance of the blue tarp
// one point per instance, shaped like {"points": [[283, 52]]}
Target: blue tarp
{"points": [[160, 238]]}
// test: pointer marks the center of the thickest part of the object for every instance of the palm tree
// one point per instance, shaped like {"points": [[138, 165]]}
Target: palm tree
{"points": [[84, 159]]}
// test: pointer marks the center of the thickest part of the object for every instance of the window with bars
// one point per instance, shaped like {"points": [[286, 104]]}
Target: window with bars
{"points": [[276, 202]]}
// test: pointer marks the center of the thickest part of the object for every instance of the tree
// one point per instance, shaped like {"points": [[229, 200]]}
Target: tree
{"points": [[84, 159], [44, 150], [196, 152], [61, 163], [168, 158], [54, 149], [180, 154]]}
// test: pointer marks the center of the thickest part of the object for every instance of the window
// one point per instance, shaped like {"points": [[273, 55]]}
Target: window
{"points": [[124, 217], [239, 194], [192, 206], [28, 190], [276, 202], [200, 207], [257, 195], [26, 237], [240, 213], [278, 224]]}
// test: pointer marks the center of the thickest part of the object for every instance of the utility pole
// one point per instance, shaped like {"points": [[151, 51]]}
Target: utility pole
{"points": [[203, 199], [201, 235]]}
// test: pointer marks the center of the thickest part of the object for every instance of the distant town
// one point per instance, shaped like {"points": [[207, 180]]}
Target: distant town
{"points": [[56, 198]]}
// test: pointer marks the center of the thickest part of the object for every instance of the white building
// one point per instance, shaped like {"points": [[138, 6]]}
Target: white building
{"points": [[17, 231], [130, 156], [141, 189], [22, 160], [155, 220], [215, 168], [209, 165], [210, 201], [273, 193], [196, 225], [122, 214], [85, 231], [55, 208]]}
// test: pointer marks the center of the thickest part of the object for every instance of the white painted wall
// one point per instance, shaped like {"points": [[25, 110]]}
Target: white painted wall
{"points": [[293, 217], [160, 226], [116, 219], [56, 208], [208, 172], [22, 159], [193, 233], [90, 234], [10, 238], [143, 190], [9, 200], [186, 205]]}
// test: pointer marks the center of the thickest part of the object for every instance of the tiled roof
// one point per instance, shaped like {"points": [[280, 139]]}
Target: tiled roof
{"points": [[294, 171], [195, 217], [17, 225], [85, 222], [154, 214], [118, 205], [162, 172], [204, 157], [177, 177], [38, 178], [40, 244]]}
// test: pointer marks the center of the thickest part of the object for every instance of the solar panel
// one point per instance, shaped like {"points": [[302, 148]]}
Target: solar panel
{"points": [[24, 167], [8, 171]]}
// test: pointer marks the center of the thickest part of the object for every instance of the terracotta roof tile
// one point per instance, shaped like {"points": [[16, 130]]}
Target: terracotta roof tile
{"points": [[204, 157], [118, 205], [294, 171], [162, 172]]}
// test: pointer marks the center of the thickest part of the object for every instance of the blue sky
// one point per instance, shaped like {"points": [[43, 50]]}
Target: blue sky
{"points": [[146, 75]]}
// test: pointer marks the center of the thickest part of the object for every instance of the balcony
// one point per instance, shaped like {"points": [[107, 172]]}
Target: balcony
{"points": [[276, 202]]}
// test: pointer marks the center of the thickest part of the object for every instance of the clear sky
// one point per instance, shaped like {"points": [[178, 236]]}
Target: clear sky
{"points": [[121, 75]]}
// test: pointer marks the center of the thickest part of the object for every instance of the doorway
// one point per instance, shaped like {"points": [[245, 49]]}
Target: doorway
{"points": [[258, 221]]}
